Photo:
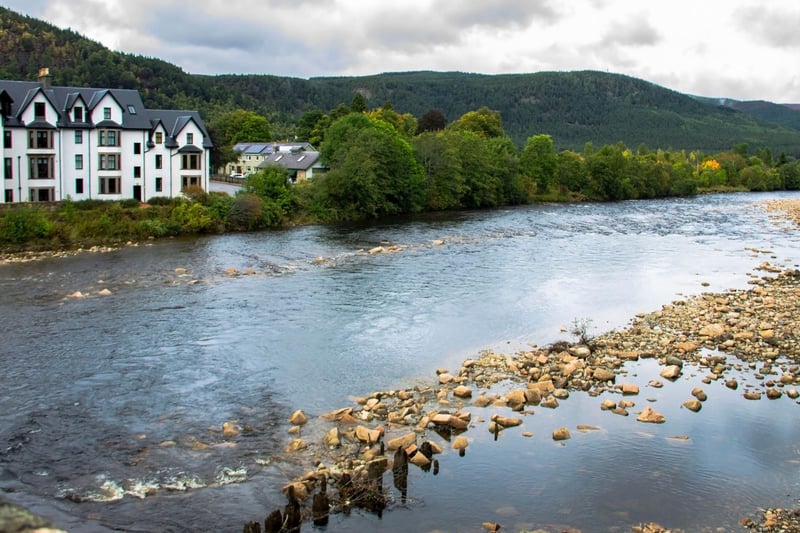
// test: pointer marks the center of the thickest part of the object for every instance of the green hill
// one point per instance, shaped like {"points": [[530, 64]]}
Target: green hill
{"points": [[573, 107]]}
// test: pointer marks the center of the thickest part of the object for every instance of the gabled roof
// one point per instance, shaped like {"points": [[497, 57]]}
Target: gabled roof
{"points": [[174, 121], [293, 160], [20, 93]]}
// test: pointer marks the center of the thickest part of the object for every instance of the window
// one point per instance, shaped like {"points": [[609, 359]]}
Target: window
{"points": [[9, 195], [131, 110], [8, 168], [40, 139], [110, 185], [42, 194], [190, 161], [187, 181], [159, 137], [78, 161], [108, 162], [137, 148], [137, 172], [107, 138], [6, 139], [189, 138], [79, 186], [106, 113], [41, 168], [78, 137], [159, 184], [159, 162], [38, 111], [77, 114]]}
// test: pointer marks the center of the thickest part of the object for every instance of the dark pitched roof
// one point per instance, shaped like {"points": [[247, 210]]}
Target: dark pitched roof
{"points": [[135, 115], [294, 160]]}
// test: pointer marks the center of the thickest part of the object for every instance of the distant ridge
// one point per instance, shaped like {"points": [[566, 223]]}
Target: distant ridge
{"points": [[573, 107]]}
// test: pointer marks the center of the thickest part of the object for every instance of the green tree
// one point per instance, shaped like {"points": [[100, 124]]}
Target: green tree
{"points": [[308, 121], [241, 126], [438, 154], [539, 161], [432, 120], [571, 173], [359, 103], [271, 184], [374, 169], [483, 122]]}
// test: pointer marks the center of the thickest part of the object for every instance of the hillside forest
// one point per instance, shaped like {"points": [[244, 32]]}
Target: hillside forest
{"points": [[570, 137]]}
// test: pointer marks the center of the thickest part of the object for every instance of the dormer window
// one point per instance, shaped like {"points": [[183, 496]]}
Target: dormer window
{"points": [[159, 137], [77, 114], [38, 111], [106, 113], [189, 138]]}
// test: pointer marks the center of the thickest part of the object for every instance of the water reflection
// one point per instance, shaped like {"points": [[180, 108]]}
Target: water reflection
{"points": [[129, 390]]}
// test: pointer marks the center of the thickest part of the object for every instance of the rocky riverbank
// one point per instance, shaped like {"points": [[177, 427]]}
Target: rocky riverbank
{"points": [[758, 329]]}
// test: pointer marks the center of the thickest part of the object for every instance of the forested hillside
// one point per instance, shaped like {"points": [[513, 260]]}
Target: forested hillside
{"points": [[573, 107]]}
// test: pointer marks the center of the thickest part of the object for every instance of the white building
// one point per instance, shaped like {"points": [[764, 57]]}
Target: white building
{"points": [[83, 143]]}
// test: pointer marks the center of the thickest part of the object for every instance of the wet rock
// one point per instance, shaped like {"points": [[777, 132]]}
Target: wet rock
{"points": [[462, 391], [298, 418], [603, 374], [460, 443], [295, 446], [752, 395], [619, 411], [506, 422], [367, 435], [793, 394], [561, 434], [773, 393], [608, 404], [332, 438], [700, 394], [713, 331], [655, 384], [550, 402], [630, 389], [230, 430], [481, 401], [693, 405], [732, 384], [649, 415], [403, 441], [671, 372], [561, 394]]}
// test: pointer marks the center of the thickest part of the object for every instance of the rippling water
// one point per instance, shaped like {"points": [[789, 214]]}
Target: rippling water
{"points": [[119, 398]]}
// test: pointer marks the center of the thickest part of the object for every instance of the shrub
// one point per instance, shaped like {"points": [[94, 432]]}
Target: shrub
{"points": [[21, 225], [245, 213], [195, 193], [160, 200], [129, 203], [194, 218]]}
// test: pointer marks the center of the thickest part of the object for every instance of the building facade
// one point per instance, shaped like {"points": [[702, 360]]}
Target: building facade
{"points": [[81, 143], [300, 159]]}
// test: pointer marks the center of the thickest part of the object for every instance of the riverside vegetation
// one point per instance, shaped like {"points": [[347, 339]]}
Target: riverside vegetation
{"points": [[382, 163], [715, 334]]}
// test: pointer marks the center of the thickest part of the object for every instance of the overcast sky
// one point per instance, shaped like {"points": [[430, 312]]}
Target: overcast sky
{"points": [[722, 48]]}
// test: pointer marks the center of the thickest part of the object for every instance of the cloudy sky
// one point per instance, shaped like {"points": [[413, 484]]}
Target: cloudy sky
{"points": [[722, 48]]}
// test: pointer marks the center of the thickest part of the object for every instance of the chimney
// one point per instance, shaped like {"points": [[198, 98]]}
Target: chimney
{"points": [[44, 77]]}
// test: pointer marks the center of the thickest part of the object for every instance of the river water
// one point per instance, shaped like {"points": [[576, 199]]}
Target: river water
{"points": [[111, 404]]}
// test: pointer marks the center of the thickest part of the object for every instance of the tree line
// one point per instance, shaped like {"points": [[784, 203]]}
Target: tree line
{"points": [[382, 163]]}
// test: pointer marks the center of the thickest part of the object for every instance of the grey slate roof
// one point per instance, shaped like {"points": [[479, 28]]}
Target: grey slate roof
{"points": [[63, 99], [295, 160]]}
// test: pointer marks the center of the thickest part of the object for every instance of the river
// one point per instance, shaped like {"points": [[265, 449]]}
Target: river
{"points": [[111, 403]]}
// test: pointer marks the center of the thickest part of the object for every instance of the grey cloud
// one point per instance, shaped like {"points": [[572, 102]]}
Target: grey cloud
{"points": [[634, 32], [500, 13], [778, 28]]}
